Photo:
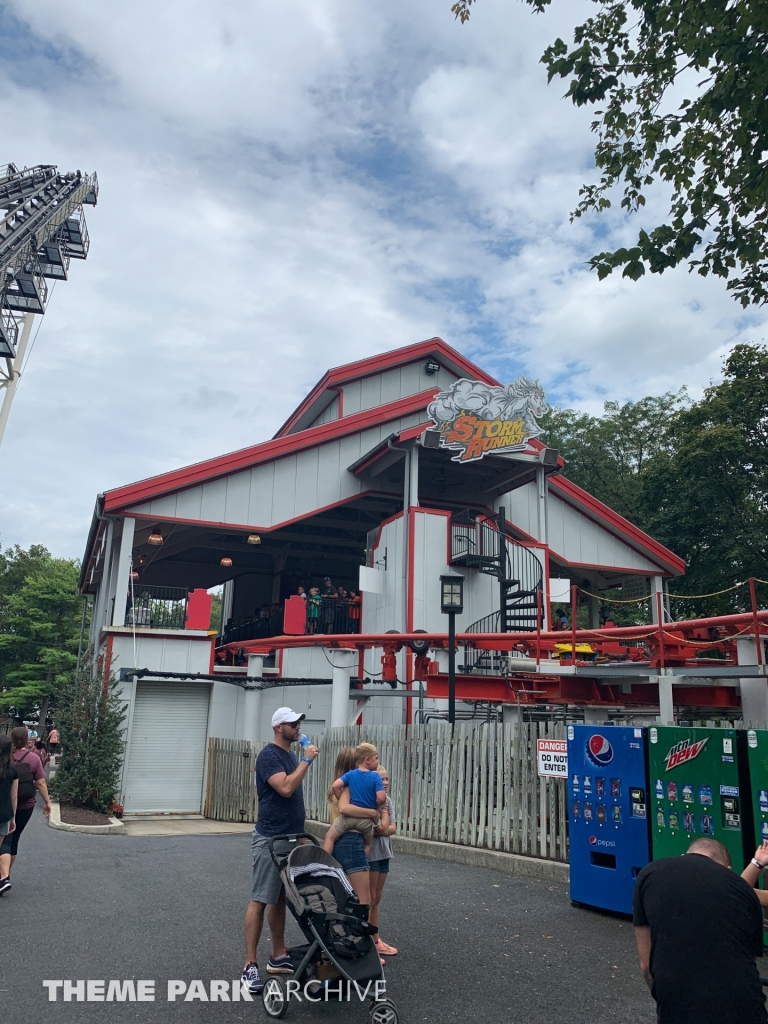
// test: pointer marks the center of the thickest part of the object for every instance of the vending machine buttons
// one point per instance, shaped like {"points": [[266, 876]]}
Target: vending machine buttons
{"points": [[637, 802]]}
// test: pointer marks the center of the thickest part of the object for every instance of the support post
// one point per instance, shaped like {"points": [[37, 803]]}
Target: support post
{"points": [[123, 572], [252, 710], [574, 611], [18, 362], [755, 623], [657, 597], [754, 689], [343, 663], [502, 571], [594, 613], [452, 667], [666, 704], [413, 488], [538, 627]]}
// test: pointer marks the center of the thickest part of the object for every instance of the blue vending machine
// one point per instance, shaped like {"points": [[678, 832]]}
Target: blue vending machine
{"points": [[608, 814]]}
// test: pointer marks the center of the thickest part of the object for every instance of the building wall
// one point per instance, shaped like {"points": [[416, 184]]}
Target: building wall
{"points": [[399, 382], [572, 535], [282, 490], [331, 412]]}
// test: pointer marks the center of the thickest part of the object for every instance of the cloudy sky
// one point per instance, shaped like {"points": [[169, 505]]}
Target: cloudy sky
{"points": [[289, 186]]}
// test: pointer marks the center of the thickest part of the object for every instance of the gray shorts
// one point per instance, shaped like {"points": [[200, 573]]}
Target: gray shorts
{"points": [[267, 887], [4, 826]]}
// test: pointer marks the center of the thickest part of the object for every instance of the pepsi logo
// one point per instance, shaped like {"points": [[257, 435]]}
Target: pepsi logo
{"points": [[599, 750], [592, 840]]}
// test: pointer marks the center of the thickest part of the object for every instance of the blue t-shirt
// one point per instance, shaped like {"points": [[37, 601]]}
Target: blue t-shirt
{"points": [[278, 815], [363, 787]]}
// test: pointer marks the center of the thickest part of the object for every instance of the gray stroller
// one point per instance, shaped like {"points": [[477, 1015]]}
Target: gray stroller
{"points": [[339, 958]]}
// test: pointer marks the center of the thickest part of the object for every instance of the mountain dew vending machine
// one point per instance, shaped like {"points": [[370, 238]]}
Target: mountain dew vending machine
{"points": [[608, 814], [754, 752], [693, 776]]}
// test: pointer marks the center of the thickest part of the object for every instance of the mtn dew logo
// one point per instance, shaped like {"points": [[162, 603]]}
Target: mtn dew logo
{"points": [[683, 752]]}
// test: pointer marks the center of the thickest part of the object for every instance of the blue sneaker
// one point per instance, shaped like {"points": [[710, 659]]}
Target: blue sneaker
{"points": [[280, 964], [252, 979]]}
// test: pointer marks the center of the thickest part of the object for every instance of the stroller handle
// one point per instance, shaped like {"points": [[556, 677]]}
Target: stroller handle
{"points": [[293, 837]]}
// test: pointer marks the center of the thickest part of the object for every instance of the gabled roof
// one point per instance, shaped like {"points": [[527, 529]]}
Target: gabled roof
{"points": [[120, 498], [616, 524], [319, 397]]}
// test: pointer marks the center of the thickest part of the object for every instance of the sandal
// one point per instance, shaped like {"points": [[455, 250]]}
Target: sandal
{"points": [[383, 947]]}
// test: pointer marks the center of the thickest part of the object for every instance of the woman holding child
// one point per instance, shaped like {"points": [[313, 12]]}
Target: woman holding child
{"points": [[362, 820]]}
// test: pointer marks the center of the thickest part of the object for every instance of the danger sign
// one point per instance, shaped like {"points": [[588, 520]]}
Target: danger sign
{"points": [[552, 757]]}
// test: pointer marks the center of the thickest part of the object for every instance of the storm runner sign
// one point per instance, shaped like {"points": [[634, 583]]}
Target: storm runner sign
{"points": [[476, 419]]}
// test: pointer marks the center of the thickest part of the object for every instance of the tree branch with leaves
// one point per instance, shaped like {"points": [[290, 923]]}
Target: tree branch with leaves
{"points": [[711, 146]]}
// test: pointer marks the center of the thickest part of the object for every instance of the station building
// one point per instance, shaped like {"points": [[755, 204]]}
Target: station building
{"points": [[393, 471]]}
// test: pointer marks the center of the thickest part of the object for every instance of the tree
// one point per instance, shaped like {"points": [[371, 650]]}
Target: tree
{"points": [[694, 475], [90, 718], [709, 501], [635, 57], [611, 456], [40, 619]]}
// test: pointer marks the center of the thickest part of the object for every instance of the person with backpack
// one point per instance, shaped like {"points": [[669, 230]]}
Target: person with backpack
{"points": [[31, 781], [9, 790]]}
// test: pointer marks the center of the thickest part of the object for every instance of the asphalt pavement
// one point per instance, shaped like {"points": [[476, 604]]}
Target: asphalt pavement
{"points": [[474, 944]]}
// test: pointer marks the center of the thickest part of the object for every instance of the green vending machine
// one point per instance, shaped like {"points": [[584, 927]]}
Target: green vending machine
{"points": [[756, 748], [693, 779]]}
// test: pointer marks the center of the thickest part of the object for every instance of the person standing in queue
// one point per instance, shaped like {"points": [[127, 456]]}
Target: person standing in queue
{"points": [[9, 793], [31, 777], [279, 775], [699, 928]]}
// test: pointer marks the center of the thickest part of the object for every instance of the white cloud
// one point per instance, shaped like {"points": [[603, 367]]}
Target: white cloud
{"points": [[287, 187]]}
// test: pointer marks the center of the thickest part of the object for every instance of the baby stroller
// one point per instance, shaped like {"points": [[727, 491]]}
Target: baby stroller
{"points": [[339, 950]]}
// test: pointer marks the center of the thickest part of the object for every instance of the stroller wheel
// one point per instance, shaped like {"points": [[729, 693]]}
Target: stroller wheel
{"points": [[274, 997], [383, 1012]]}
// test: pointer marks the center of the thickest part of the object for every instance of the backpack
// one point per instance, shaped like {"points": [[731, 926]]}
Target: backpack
{"points": [[27, 787]]}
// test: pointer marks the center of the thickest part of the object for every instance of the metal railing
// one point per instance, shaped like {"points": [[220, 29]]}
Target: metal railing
{"points": [[157, 607], [324, 616]]}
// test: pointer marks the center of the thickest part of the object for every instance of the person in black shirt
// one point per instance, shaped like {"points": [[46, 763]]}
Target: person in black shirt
{"points": [[699, 928], [279, 775]]}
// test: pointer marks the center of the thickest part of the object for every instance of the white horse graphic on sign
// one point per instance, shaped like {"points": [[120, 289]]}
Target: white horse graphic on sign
{"points": [[523, 399]]}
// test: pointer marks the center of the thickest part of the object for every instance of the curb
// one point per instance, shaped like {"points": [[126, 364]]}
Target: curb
{"points": [[115, 828], [471, 856]]}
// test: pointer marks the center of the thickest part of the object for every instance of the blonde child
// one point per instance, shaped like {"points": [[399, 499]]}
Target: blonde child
{"points": [[366, 790]]}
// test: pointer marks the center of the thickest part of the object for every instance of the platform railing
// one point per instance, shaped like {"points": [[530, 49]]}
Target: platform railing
{"points": [[157, 607]]}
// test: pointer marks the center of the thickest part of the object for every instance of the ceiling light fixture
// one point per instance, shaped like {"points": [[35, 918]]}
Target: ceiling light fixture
{"points": [[155, 537], [226, 561], [254, 538], [134, 574]]}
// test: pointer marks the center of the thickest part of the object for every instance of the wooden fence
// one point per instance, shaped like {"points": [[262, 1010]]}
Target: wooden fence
{"points": [[477, 786]]}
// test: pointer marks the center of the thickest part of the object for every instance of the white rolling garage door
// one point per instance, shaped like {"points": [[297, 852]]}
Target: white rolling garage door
{"points": [[166, 759]]}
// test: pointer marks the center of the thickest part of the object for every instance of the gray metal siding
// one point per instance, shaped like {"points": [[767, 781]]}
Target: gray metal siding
{"points": [[283, 489]]}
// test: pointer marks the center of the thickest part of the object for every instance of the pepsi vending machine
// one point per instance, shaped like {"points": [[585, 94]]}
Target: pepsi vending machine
{"points": [[608, 812]]}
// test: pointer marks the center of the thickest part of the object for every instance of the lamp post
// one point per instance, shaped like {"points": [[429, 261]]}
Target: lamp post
{"points": [[452, 604]]}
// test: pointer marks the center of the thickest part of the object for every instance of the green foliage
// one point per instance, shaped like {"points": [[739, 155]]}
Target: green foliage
{"points": [[216, 605], [40, 618], [694, 475], [90, 718], [635, 58]]}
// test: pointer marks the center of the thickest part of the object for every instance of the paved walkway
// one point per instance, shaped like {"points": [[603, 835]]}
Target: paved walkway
{"points": [[475, 945]]}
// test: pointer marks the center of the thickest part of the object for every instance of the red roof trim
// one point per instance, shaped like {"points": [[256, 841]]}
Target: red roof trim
{"points": [[384, 361], [572, 493], [188, 476]]}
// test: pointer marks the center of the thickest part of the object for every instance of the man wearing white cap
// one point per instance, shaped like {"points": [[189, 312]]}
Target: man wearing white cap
{"points": [[279, 775]]}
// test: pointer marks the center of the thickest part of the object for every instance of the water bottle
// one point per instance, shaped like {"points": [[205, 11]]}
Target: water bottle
{"points": [[303, 741]]}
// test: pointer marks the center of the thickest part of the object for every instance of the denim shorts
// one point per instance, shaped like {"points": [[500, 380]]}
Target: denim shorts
{"points": [[382, 866], [349, 851]]}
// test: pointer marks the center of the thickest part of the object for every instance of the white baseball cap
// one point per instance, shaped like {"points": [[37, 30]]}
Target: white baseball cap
{"points": [[285, 716]]}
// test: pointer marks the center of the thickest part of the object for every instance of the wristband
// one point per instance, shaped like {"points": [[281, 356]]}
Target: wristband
{"points": [[307, 759], [758, 865]]}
